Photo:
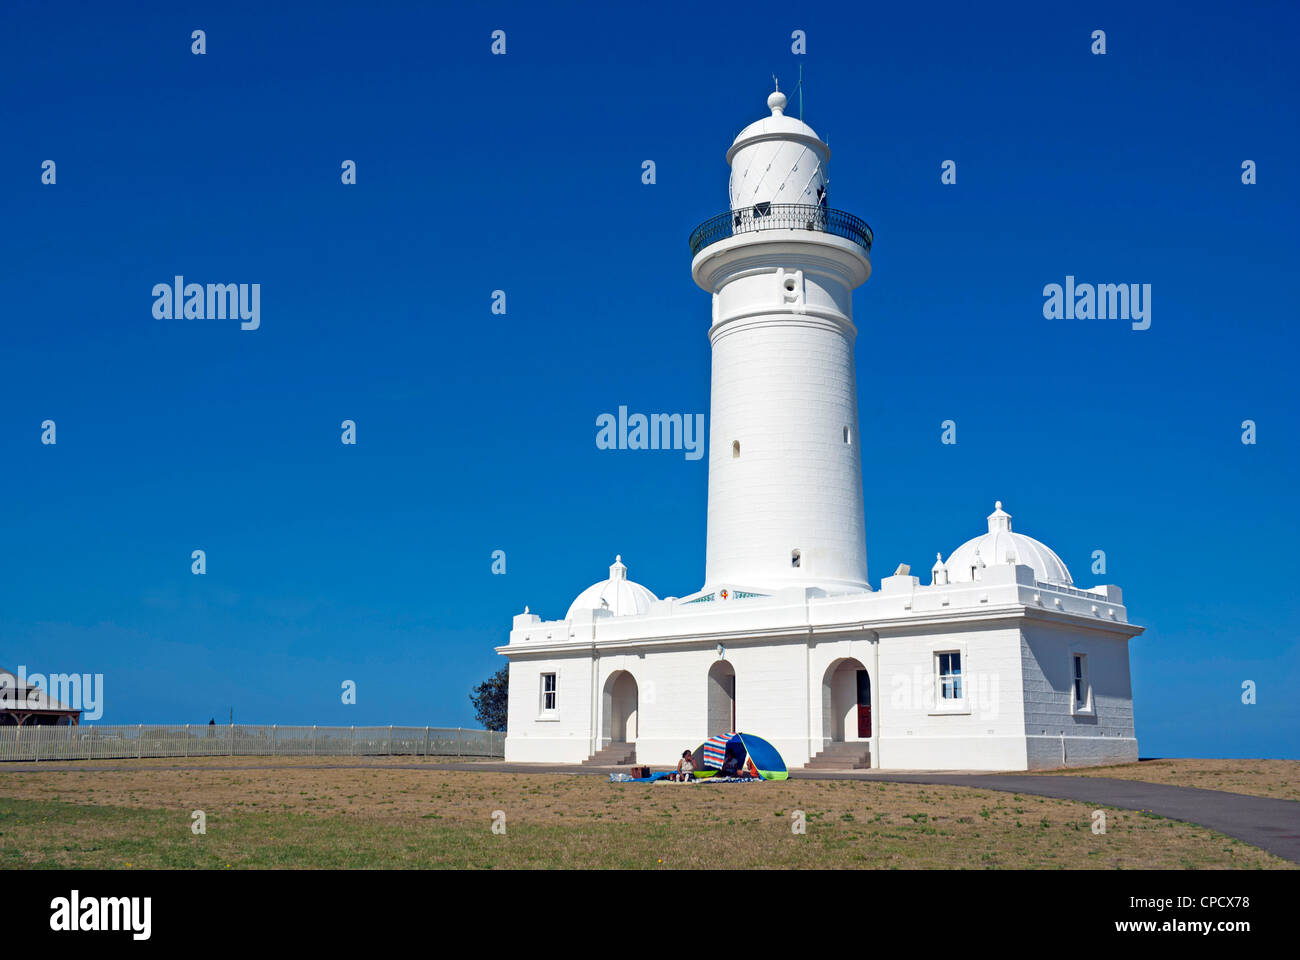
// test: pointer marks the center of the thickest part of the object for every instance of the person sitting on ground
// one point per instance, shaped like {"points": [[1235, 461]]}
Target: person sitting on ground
{"points": [[732, 764], [685, 768]]}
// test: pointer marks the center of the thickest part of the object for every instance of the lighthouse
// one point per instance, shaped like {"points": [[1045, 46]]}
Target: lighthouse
{"points": [[1013, 665], [785, 468]]}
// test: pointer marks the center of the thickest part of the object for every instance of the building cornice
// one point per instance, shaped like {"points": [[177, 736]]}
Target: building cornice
{"points": [[812, 632]]}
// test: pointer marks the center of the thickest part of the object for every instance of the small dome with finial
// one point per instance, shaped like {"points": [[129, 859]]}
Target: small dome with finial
{"points": [[776, 103], [1002, 545], [619, 595]]}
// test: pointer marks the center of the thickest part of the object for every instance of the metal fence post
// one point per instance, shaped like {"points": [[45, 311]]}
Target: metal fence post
{"points": [[426, 741], [139, 741], [390, 739], [460, 743], [354, 740], [232, 739], [187, 739], [273, 726], [313, 739]]}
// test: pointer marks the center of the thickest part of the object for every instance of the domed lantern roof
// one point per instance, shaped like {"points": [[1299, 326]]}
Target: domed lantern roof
{"points": [[1000, 546], [619, 595], [778, 160]]}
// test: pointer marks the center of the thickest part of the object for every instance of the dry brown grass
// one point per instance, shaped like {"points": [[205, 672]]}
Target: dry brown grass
{"points": [[1259, 778], [378, 815]]}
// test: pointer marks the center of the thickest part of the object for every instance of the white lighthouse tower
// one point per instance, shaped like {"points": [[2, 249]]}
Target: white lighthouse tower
{"points": [[785, 473], [786, 637]]}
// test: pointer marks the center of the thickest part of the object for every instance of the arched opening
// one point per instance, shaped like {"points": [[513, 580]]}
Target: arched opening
{"points": [[846, 701], [722, 698], [620, 708], [735, 449]]}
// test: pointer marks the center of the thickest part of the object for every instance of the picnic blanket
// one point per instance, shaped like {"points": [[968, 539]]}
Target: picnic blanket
{"points": [[628, 778], [657, 777]]}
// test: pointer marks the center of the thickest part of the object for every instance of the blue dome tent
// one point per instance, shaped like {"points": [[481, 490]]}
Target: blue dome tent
{"points": [[739, 755]]}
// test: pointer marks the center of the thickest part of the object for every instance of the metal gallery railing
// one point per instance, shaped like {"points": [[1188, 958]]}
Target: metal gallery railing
{"points": [[781, 216], [92, 742]]}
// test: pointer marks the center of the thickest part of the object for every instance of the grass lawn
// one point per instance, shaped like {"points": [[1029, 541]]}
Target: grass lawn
{"points": [[1260, 778], [380, 816]]}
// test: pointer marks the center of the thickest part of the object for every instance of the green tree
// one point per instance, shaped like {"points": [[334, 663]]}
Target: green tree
{"points": [[489, 699]]}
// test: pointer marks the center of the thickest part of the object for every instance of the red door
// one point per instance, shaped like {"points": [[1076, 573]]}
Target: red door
{"points": [[864, 705]]}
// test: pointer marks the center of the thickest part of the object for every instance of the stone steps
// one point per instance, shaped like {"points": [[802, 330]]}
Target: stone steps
{"points": [[842, 756], [614, 755]]}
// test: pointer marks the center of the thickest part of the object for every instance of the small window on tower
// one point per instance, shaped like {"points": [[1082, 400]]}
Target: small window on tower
{"points": [[847, 437], [735, 449], [794, 558]]}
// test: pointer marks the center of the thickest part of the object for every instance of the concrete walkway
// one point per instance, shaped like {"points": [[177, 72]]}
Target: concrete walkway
{"points": [[1272, 825]]}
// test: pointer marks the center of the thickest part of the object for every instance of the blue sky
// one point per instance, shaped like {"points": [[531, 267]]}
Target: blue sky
{"points": [[476, 432]]}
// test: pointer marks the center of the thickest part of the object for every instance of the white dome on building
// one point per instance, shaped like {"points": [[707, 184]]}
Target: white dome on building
{"points": [[1000, 545], [619, 595]]}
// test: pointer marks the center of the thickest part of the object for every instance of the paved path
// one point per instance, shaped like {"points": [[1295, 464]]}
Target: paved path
{"points": [[1272, 825]]}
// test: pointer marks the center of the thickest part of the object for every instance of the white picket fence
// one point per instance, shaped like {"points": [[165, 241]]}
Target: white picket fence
{"points": [[90, 742]]}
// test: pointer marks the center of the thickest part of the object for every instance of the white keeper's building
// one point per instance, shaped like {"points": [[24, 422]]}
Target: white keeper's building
{"points": [[999, 663]]}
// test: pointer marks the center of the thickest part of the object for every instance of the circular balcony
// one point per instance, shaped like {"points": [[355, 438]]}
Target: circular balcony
{"points": [[781, 216]]}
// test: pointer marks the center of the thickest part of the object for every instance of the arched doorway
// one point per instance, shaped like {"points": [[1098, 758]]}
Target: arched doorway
{"points": [[722, 698], [846, 701], [620, 708]]}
